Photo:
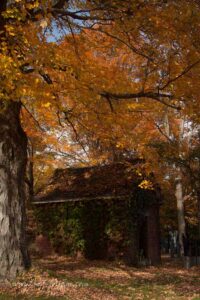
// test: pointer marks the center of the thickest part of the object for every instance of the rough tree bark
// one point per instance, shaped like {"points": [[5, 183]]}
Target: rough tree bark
{"points": [[13, 158]]}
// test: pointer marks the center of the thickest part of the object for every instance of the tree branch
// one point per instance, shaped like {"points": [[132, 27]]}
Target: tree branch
{"points": [[129, 45], [185, 71], [32, 116], [75, 132], [152, 95], [162, 132], [74, 15]]}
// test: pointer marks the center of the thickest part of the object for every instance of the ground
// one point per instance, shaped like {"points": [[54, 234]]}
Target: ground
{"points": [[66, 278]]}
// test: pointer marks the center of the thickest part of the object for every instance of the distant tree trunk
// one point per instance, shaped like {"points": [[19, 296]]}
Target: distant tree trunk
{"points": [[13, 158], [178, 187], [180, 211]]}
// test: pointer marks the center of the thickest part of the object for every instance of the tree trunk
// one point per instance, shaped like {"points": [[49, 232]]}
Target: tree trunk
{"points": [[180, 212], [13, 158]]}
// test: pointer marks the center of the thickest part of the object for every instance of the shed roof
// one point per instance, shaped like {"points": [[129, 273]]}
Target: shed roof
{"points": [[74, 184]]}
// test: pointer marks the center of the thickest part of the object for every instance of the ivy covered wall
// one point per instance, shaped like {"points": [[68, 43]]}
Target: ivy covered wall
{"points": [[97, 228]]}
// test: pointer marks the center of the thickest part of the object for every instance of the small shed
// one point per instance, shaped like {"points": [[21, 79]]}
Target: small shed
{"points": [[117, 214]]}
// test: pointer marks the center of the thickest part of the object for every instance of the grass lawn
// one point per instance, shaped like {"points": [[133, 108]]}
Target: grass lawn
{"points": [[63, 278]]}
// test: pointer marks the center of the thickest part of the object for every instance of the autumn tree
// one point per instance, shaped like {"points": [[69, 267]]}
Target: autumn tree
{"points": [[13, 157], [112, 51], [17, 60]]}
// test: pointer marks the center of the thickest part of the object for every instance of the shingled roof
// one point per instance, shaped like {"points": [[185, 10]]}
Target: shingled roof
{"points": [[74, 184]]}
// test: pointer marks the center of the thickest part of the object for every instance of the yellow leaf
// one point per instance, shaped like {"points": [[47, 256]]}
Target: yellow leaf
{"points": [[48, 104]]}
